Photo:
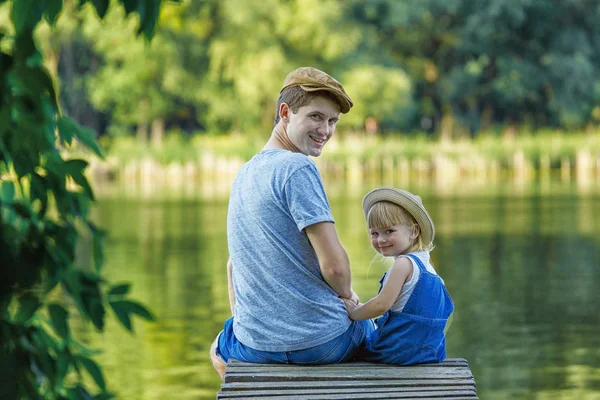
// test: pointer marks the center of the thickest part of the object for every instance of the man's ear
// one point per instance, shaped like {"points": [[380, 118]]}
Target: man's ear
{"points": [[284, 112]]}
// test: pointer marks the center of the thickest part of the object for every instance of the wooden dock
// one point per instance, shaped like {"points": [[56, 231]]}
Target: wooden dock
{"points": [[451, 379]]}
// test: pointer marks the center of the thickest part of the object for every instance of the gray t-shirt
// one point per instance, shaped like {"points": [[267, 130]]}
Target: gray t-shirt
{"points": [[282, 301]]}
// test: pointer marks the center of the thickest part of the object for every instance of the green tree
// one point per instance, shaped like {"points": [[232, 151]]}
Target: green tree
{"points": [[505, 61], [142, 84], [44, 209], [257, 44], [381, 95], [70, 61]]}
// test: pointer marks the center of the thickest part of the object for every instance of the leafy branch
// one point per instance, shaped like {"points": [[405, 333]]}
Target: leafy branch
{"points": [[45, 201]]}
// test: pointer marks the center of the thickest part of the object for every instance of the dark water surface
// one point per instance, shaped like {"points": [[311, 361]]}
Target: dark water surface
{"points": [[522, 265]]}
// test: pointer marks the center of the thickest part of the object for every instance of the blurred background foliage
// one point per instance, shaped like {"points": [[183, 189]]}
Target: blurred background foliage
{"points": [[448, 68]]}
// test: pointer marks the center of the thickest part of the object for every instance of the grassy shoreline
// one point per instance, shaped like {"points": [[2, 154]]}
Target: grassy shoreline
{"points": [[533, 147], [353, 158]]}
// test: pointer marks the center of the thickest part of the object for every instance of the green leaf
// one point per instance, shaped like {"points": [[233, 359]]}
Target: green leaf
{"points": [[83, 350], [97, 313], [80, 203], [55, 178], [62, 367], [28, 305], [101, 7], [75, 168], [65, 133], [39, 191], [98, 243], [7, 191], [85, 135], [79, 393], [53, 9], [26, 14], [119, 289], [149, 18], [44, 339], [27, 48], [93, 369], [122, 314], [5, 122], [84, 290], [46, 363], [41, 81], [130, 5], [124, 309], [92, 297], [99, 249], [141, 311], [92, 303], [58, 317], [23, 210], [65, 241], [141, 10]]}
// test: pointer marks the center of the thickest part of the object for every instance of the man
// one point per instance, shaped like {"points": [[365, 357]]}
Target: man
{"points": [[288, 271]]}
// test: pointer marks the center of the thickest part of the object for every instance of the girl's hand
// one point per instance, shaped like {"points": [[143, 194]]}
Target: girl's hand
{"points": [[350, 305]]}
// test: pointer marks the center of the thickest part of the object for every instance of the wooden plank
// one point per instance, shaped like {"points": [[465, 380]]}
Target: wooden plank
{"points": [[311, 374], [350, 368], [316, 369], [448, 362], [349, 396], [451, 379], [392, 384], [440, 392], [351, 373]]}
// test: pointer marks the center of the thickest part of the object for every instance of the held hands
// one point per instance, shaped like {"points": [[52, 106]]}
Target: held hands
{"points": [[351, 306], [354, 299], [351, 303]]}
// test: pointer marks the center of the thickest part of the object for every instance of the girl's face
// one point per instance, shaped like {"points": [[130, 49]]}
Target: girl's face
{"points": [[393, 240]]}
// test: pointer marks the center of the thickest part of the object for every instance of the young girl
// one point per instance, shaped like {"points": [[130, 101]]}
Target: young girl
{"points": [[412, 297]]}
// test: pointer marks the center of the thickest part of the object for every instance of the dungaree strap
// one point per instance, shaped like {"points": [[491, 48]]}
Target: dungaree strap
{"points": [[419, 262]]}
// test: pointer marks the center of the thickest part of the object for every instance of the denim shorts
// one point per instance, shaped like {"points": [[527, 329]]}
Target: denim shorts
{"points": [[341, 348]]}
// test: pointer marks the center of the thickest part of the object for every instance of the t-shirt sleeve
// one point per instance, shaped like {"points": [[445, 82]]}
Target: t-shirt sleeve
{"points": [[306, 198]]}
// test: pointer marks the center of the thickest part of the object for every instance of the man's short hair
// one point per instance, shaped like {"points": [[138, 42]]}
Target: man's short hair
{"points": [[296, 97]]}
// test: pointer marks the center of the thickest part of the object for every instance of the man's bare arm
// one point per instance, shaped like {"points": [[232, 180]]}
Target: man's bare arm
{"points": [[333, 259]]}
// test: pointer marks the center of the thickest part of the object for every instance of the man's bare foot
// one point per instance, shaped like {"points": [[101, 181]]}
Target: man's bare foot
{"points": [[218, 363]]}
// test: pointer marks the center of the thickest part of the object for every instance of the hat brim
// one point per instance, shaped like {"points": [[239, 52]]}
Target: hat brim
{"points": [[406, 200], [345, 104]]}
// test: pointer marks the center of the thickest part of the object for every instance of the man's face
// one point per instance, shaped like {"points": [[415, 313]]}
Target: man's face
{"points": [[313, 125]]}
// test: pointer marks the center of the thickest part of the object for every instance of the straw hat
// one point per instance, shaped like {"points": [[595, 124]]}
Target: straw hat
{"points": [[410, 202], [311, 79]]}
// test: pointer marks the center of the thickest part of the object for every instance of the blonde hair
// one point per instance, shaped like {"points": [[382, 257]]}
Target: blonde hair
{"points": [[384, 213]]}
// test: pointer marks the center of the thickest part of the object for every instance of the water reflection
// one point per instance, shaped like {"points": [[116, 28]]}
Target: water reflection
{"points": [[521, 269]]}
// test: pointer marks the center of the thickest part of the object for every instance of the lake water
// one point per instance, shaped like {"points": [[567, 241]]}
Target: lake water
{"points": [[521, 263]]}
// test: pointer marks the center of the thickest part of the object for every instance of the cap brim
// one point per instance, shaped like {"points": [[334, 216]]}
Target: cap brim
{"points": [[345, 104]]}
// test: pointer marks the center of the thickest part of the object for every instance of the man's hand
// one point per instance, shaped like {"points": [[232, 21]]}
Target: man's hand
{"points": [[350, 306], [354, 298]]}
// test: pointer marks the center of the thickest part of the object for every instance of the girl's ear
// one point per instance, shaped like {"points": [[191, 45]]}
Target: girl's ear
{"points": [[415, 231]]}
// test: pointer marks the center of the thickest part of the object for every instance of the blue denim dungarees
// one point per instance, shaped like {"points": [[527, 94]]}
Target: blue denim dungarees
{"points": [[416, 334]]}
